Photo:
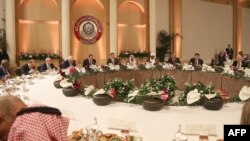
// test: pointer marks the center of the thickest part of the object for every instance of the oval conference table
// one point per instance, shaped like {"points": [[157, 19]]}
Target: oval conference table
{"points": [[151, 126]]}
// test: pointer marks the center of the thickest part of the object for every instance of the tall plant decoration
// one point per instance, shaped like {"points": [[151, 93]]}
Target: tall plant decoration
{"points": [[164, 42]]}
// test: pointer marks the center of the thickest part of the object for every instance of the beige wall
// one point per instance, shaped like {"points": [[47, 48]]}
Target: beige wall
{"points": [[246, 30], [2, 7], [162, 15], [207, 27]]}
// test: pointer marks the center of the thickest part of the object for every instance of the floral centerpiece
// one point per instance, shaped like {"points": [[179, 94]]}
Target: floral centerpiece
{"points": [[188, 67], [193, 93], [71, 82], [154, 93], [207, 68], [161, 88], [215, 100], [200, 94], [89, 91], [244, 95], [38, 56], [118, 89]]}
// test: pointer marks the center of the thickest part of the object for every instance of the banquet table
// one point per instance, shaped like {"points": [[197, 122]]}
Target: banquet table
{"points": [[151, 126]]}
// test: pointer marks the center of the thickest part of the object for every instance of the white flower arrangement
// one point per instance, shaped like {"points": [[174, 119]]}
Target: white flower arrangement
{"points": [[59, 77], [247, 73], [193, 96], [101, 91], [149, 65], [114, 67], [210, 96], [206, 68], [188, 67], [168, 66], [83, 70], [88, 90], [64, 83], [228, 70], [131, 67], [95, 68], [244, 93], [132, 95]]}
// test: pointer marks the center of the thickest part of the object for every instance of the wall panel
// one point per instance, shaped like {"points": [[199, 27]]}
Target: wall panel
{"points": [[246, 30], [207, 28]]}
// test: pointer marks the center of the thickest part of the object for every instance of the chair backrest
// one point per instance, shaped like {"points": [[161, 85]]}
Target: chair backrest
{"points": [[39, 68], [18, 71]]}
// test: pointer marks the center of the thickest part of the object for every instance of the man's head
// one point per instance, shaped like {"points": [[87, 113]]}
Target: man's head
{"points": [[71, 59], [91, 56], [48, 60], [9, 106], [229, 45], [31, 63], [196, 55], [5, 64], [112, 55]]}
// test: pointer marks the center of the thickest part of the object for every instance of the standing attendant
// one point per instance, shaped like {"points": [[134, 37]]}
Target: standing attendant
{"points": [[230, 52]]}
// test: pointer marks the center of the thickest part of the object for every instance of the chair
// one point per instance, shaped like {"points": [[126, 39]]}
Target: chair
{"points": [[18, 71], [39, 68]]}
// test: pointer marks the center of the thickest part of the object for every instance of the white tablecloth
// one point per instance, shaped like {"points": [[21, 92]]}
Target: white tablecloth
{"points": [[152, 126]]}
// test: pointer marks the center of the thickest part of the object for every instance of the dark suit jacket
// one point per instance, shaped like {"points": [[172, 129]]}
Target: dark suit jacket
{"points": [[25, 69], [192, 61], [116, 61], [230, 52], [171, 61], [44, 67], [3, 56], [3, 72], [235, 63], [86, 63], [66, 64]]}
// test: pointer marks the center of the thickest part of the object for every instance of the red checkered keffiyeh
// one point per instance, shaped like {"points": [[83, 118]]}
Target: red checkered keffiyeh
{"points": [[39, 127]]}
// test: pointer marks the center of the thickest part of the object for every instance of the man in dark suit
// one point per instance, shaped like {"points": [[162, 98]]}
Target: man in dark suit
{"points": [[173, 59], [48, 65], [70, 62], [3, 55], [29, 68], [238, 63], [4, 73], [89, 61], [230, 51], [113, 60], [196, 61]]}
